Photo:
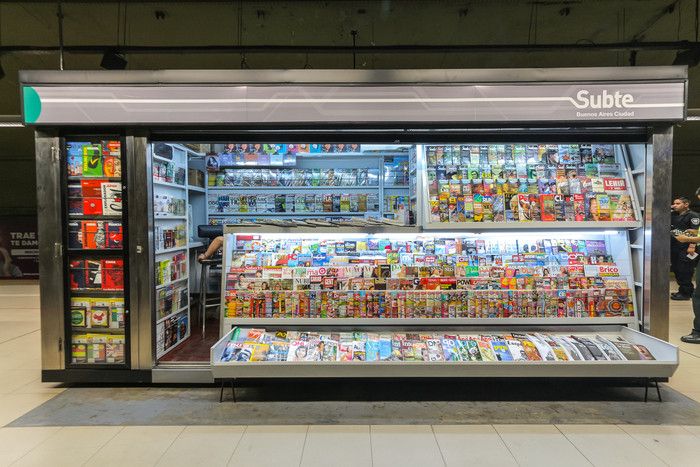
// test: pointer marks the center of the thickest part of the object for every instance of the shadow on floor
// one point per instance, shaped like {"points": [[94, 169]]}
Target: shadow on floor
{"points": [[365, 402]]}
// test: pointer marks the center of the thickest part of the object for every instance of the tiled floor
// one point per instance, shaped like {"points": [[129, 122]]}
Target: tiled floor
{"points": [[356, 445]]}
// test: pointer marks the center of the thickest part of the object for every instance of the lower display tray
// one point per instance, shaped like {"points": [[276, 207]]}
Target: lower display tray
{"points": [[663, 365]]}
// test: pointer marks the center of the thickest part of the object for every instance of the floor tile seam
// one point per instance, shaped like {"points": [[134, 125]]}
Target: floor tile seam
{"points": [[686, 429], [437, 443], [233, 453], [574, 445], [17, 337], [103, 445], [500, 436], [371, 446], [644, 448], [31, 449], [688, 353], [14, 391], [622, 427], [303, 446], [631, 435], [184, 427]]}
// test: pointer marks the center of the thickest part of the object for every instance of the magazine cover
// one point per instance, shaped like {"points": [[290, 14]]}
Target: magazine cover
{"points": [[485, 351], [500, 349]]}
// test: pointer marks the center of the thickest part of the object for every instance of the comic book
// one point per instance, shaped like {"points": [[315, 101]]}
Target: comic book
{"points": [[593, 349], [544, 350], [516, 349], [498, 208], [487, 206], [621, 208], [500, 349], [548, 208], [644, 352], [603, 207], [531, 352], [485, 350], [434, 350], [559, 352], [450, 349], [569, 348], [524, 211], [478, 208], [609, 349]]}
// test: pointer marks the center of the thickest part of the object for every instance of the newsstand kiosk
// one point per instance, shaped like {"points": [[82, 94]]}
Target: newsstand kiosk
{"points": [[374, 222]]}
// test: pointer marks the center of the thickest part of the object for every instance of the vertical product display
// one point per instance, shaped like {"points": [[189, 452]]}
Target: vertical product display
{"points": [[96, 244], [170, 220]]}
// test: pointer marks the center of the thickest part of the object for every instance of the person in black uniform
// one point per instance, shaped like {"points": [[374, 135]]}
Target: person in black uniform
{"points": [[693, 241], [682, 219]]}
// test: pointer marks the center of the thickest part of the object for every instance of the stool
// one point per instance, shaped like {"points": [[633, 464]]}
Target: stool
{"points": [[205, 301]]}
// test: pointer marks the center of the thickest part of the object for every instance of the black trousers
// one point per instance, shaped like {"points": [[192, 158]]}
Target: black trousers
{"points": [[683, 270]]}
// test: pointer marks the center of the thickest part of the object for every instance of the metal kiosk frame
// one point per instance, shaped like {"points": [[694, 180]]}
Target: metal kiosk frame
{"points": [[617, 105]]}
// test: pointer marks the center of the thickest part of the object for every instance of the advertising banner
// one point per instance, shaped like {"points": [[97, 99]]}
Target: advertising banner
{"points": [[19, 247]]}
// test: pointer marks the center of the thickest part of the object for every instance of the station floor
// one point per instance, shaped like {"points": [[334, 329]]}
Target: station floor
{"points": [[571, 444]]}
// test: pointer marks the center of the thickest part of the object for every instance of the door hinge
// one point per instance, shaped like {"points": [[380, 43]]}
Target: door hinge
{"points": [[57, 250], [54, 154], [60, 344]]}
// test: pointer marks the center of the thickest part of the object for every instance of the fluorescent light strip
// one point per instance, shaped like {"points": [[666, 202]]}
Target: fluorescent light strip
{"points": [[338, 101]]}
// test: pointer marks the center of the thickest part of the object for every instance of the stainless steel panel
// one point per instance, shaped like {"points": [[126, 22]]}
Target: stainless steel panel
{"points": [[140, 224], [452, 76], [657, 219], [51, 279]]}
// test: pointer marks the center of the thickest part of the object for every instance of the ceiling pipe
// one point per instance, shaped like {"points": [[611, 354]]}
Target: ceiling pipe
{"points": [[360, 49]]}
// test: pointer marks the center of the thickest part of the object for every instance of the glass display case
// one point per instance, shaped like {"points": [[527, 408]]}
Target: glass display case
{"points": [[96, 244]]}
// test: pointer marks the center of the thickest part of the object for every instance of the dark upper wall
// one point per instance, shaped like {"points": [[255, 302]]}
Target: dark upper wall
{"points": [[330, 23]]}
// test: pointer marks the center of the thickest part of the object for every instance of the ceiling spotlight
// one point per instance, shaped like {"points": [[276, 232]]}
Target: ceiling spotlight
{"points": [[690, 57], [111, 60]]}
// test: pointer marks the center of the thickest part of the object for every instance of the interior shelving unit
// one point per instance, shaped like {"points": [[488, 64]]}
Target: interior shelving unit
{"points": [[171, 234]]}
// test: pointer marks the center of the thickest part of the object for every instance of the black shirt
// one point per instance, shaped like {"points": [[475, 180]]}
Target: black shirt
{"points": [[683, 222]]}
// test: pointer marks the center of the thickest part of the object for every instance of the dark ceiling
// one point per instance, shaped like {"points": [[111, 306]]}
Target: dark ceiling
{"points": [[319, 34]]}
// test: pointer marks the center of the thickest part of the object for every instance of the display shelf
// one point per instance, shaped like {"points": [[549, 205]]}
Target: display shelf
{"points": [[105, 330], [97, 217], [278, 214], [170, 250], [294, 188], [342, 322], [162, 159], [107, 251], [195, 244], [174, 313], [196, 189], [77, 178], [98, 292], [396, 187], [168, 217], [169, 184], [162, 286], [531, 225], [664, 366]]}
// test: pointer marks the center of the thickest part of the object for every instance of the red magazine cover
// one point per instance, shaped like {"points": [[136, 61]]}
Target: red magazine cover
{"points": [[113, 274]]}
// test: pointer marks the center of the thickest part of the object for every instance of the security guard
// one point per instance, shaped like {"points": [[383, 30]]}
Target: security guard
{"points": [[682, 220]]}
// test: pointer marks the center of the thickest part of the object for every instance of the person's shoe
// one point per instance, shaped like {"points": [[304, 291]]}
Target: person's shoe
{"points": [[692, 338], [679, 296]]}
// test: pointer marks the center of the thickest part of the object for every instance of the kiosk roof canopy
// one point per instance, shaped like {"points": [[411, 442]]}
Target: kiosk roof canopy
{"points": [[321, 97]]}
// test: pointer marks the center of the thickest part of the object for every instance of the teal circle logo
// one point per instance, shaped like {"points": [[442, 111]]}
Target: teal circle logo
{"points": [[32, 104]]}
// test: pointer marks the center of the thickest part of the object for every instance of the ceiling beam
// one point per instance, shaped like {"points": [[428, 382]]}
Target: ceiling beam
{"points": [[362, 49]]}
